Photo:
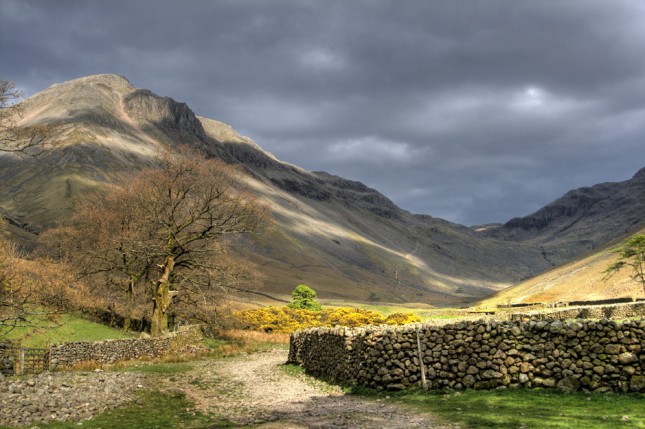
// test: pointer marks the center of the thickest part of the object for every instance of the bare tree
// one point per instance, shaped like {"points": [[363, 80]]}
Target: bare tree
{"points": [[164, 233], [33, 292], [25, 140], [8, 93]]}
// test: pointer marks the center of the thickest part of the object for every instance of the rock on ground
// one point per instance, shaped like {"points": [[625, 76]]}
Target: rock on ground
{"points": [[64, 396]]}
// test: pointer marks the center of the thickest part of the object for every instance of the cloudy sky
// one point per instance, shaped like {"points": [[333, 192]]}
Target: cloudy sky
{"points": [[473, 111]]}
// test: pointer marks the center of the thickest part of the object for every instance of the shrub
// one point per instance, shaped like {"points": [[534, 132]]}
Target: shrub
{"points": [[276, 319], [353, 317], [286, 319], [402, 318]]}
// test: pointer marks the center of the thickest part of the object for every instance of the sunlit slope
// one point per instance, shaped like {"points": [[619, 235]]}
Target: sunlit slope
{"points": [[583, 279], [346, 240]]}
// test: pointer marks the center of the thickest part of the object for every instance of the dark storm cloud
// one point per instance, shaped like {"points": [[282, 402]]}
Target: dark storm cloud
{"points": [[475, 111]]}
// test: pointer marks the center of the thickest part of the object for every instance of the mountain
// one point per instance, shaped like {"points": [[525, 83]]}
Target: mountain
{"points": [[582, 220], [346, 240]]}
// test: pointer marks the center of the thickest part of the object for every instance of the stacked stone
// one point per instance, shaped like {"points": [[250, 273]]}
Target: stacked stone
{"points": [[609, 311], [105, 352], [64, 396], [330, 352], [573, 354]]}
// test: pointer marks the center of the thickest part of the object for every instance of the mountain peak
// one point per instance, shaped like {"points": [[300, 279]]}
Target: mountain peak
{"points": [[111, 80]]}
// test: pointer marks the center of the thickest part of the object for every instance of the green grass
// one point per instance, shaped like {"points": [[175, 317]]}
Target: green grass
{"points": [[167, 368], [293, 370], [385, 309], [531, 409], [151, 410], [67, 328]]}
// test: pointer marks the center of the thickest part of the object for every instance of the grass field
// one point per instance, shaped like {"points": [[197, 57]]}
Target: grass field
{"points": [[67, 328], [531, 409]]}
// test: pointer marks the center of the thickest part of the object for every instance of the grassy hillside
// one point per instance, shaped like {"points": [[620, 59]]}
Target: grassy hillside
{"points": [[583, 279], [67, 328]]}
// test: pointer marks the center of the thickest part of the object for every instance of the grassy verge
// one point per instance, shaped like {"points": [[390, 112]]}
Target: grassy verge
{"points": [[531, 409], [67, 328]]}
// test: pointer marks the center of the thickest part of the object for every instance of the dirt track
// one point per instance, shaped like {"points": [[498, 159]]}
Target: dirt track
{"points": [[254, 390]]}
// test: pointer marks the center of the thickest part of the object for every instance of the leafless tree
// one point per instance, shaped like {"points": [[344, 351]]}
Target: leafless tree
{"points": [[164, 233], [23, 140], [33, 292]]}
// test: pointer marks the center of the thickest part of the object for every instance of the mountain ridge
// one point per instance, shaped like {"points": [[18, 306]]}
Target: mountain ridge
{"points": [[344, 238]]}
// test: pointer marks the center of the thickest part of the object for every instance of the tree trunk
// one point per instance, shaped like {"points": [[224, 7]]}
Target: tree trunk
{"points": [[162, 298]]}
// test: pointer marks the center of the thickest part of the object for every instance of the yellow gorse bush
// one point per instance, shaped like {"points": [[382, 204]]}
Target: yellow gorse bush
{"points": [[285, 319]]}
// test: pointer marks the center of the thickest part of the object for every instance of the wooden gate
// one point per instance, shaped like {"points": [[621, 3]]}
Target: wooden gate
{"points": [[32, 360]]}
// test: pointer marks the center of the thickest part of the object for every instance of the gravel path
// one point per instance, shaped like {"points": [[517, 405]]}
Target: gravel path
{"points": [[256, 390], [250, 390]]}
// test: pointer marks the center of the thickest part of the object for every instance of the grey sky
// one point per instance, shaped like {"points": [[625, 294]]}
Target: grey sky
{"points": [[474, 111]]}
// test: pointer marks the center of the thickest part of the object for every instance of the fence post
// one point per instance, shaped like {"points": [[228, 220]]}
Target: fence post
{"points": [[424, 382], [22, 361]]}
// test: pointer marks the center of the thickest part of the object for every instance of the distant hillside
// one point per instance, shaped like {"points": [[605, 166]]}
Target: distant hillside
{"points": [[581, 221], [346, 240], [583, 279]]}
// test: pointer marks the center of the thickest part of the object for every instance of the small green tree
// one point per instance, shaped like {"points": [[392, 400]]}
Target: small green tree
{"points": [[304, 297], [631, 254]]}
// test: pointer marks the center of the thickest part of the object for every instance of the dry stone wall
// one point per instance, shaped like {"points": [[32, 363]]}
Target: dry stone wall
{"points": [[105, 352], [609, 311], [571, 355]]}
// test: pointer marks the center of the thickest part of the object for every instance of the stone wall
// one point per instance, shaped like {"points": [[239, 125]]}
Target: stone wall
{"points": [[609, 311], [590, 355], [105, 352]]}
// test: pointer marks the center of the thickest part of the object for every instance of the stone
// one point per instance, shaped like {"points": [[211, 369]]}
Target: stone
{"points": [[555, 327], [482, 385], [627, 358], [568, 384], [612, 349], [468, 380], [396, 386], [523, 378], [472, 370], [489, 373], [548, 382], [637, 383]]}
